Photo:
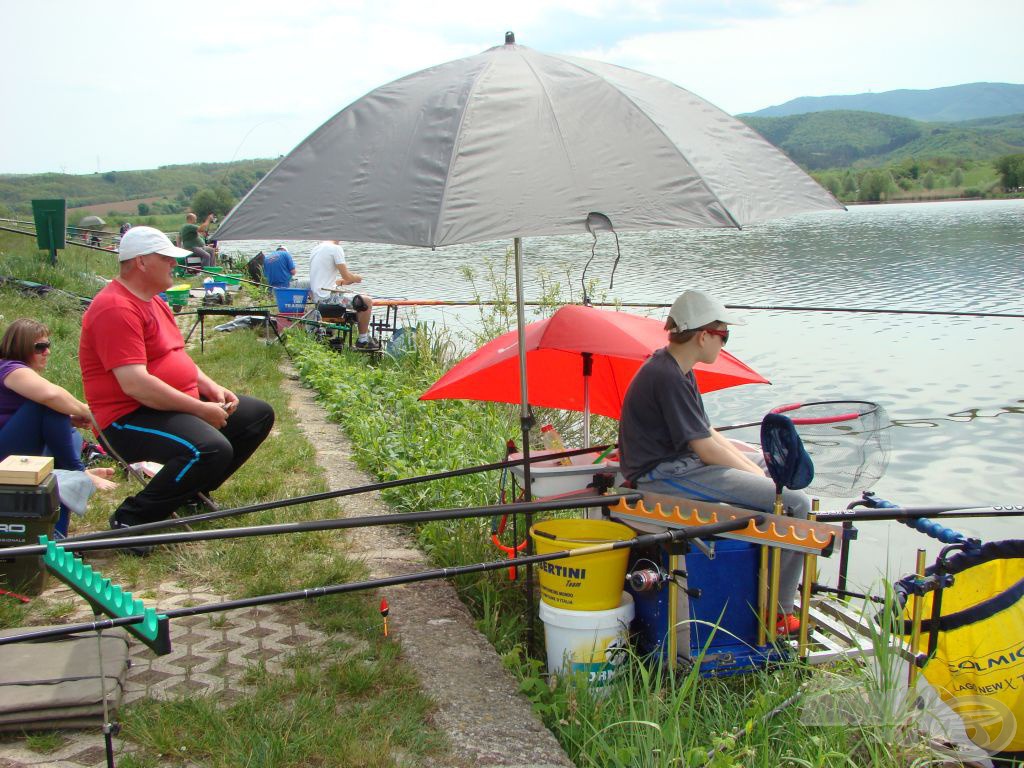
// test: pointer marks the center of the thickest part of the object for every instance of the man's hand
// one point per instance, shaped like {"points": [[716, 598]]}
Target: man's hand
{"points": [[213, 414]]}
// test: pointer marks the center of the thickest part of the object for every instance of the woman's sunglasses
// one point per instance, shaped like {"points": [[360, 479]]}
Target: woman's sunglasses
{"points": [[42, 346]]}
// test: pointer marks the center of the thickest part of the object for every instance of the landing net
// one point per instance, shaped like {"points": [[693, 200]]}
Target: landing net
{"points": [[848, 440]]}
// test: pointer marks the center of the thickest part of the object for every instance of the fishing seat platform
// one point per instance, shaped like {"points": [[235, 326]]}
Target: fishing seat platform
{"points": [[54, 684]]}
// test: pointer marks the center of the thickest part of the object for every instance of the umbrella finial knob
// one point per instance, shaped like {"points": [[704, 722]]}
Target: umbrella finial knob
{"points": [[510, 38]]}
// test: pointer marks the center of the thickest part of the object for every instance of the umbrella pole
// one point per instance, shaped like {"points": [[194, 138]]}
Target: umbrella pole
{"points": [[588, 371], [526, 422]]}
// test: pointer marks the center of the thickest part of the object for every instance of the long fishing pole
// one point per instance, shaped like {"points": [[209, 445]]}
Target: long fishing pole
{"points": [[757, 307], [323, 496], [911, 513], [69, 242], [121, 541], [644, 540]]}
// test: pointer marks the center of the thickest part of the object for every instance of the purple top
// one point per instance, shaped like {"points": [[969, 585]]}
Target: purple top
{"points": [[10, 401]]}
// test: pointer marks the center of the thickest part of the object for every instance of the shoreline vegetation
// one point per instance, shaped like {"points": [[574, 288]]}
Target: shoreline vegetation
{"points": [[367, 710]]}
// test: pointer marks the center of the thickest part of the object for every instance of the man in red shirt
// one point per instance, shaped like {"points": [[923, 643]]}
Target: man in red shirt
{"points": [[150, 399]]}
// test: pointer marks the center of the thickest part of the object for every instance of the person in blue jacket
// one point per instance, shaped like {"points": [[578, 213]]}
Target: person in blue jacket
{"points": [[279, 268]]}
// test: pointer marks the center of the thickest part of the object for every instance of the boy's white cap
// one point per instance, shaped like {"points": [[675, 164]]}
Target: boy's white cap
{"points": [[138, 241], [695, 309]]}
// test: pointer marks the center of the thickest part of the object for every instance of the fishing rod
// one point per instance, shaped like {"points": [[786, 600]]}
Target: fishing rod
{"points": [[644, 540], [69, 241], [310, 498], [757, 307], [120, 541], [911, 513]]}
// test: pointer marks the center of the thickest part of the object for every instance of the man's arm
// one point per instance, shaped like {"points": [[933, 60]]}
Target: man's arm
{"points": [[205, 226], [716, 449], [348, 277], [139, 384], [215, 393]]}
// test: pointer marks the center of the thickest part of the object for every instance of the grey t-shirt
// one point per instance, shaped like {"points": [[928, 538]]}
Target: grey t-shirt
{"points": [[661, 413]]}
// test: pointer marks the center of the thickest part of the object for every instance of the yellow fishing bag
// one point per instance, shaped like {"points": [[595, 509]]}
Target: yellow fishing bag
{"points": [[978, 664]]}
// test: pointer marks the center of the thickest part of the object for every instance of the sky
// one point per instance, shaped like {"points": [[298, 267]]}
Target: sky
{"points": [[96, 87]]}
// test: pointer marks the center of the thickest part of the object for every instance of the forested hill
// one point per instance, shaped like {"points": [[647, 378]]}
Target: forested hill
{"points": [[174, 185], [841, 139], [951, 104]]}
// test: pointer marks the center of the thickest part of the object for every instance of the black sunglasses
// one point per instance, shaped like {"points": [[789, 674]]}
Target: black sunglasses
{"points": [[42, 346]]}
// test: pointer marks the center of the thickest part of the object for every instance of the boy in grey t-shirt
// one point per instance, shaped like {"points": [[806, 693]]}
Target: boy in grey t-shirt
{"points": [[667, 445]]}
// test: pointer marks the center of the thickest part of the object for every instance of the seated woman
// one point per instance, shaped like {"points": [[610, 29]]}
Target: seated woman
{"points": [[37, 417]]}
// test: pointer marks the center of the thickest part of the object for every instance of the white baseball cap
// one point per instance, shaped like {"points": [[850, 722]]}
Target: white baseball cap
{"points": [[138, 241], [695, 309]]}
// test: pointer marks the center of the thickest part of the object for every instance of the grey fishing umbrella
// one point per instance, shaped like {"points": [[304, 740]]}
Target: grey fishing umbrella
{"points": [[91, 221], [513, 143]]}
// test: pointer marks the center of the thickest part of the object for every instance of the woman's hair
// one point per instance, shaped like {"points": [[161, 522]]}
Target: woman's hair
{"points": [[20, 337]]}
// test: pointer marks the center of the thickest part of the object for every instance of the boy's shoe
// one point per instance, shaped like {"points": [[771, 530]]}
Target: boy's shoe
{"points": [[368, 345], [787, 624], [141, 551]]}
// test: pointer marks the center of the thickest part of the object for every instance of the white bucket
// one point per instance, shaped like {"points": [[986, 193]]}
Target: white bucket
{"points": [[591, 642]]}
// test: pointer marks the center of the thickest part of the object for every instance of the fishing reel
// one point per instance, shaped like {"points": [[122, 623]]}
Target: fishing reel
{"points": [[649, 578]]}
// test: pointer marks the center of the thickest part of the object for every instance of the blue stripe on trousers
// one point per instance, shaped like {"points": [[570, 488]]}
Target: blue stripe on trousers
{"points": [[175, 438]]}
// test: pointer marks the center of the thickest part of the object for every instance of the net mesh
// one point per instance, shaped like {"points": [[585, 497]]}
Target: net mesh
{"points": [[848, 441]]}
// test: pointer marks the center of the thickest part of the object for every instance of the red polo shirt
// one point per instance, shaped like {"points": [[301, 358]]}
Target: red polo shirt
{"points": [[120, 329]]}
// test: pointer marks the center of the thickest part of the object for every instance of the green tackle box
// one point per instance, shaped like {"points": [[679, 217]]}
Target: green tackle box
{"points": [[26, 513]]}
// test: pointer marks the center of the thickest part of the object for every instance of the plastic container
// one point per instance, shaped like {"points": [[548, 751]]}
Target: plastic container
{"points": [[213, 285], [550, 478], [586, 583], [214, 270], [554, 443], [291, 299], [233, 280], [178, 295], [26, 511], [594, 643]]}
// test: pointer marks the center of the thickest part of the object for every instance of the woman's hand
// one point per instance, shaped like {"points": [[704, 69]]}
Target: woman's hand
{"points": [[100, 477]]}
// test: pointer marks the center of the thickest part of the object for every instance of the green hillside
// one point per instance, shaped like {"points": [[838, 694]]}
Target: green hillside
{"points": [[172, 185], [951, 103], [839, 139]]}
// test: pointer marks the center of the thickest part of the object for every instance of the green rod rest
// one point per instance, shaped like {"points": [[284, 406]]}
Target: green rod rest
{"points": [[110, 599]]}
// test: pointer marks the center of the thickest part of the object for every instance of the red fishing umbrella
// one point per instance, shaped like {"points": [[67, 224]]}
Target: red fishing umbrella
{"points": [[561, 349]]}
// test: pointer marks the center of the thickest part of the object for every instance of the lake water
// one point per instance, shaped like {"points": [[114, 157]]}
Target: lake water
{"points": [[953, 387]]}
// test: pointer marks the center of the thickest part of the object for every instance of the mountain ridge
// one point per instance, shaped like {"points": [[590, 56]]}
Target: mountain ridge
{"points": [[953, 103]]}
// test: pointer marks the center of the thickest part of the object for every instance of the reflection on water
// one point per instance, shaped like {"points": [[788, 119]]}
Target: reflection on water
{"points": [[952, 386]]}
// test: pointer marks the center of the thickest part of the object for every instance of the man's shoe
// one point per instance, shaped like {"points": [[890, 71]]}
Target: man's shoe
{"points": [[140, 551], [787, 624], [368, 345]]}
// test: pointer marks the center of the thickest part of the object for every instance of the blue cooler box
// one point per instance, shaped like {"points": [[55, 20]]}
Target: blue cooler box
{"points": [[721, 623]]}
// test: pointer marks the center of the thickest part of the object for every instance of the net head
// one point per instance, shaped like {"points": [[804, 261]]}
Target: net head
{"points": [[848, 441], [788, 462]]}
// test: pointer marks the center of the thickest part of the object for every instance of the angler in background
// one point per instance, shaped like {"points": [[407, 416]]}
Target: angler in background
{"points": [[192, 237], [279, 267], [151, 401], [328, 269], [667, 445]]}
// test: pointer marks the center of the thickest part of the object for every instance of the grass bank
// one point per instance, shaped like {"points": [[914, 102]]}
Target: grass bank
{"points": [[352, 703]]}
